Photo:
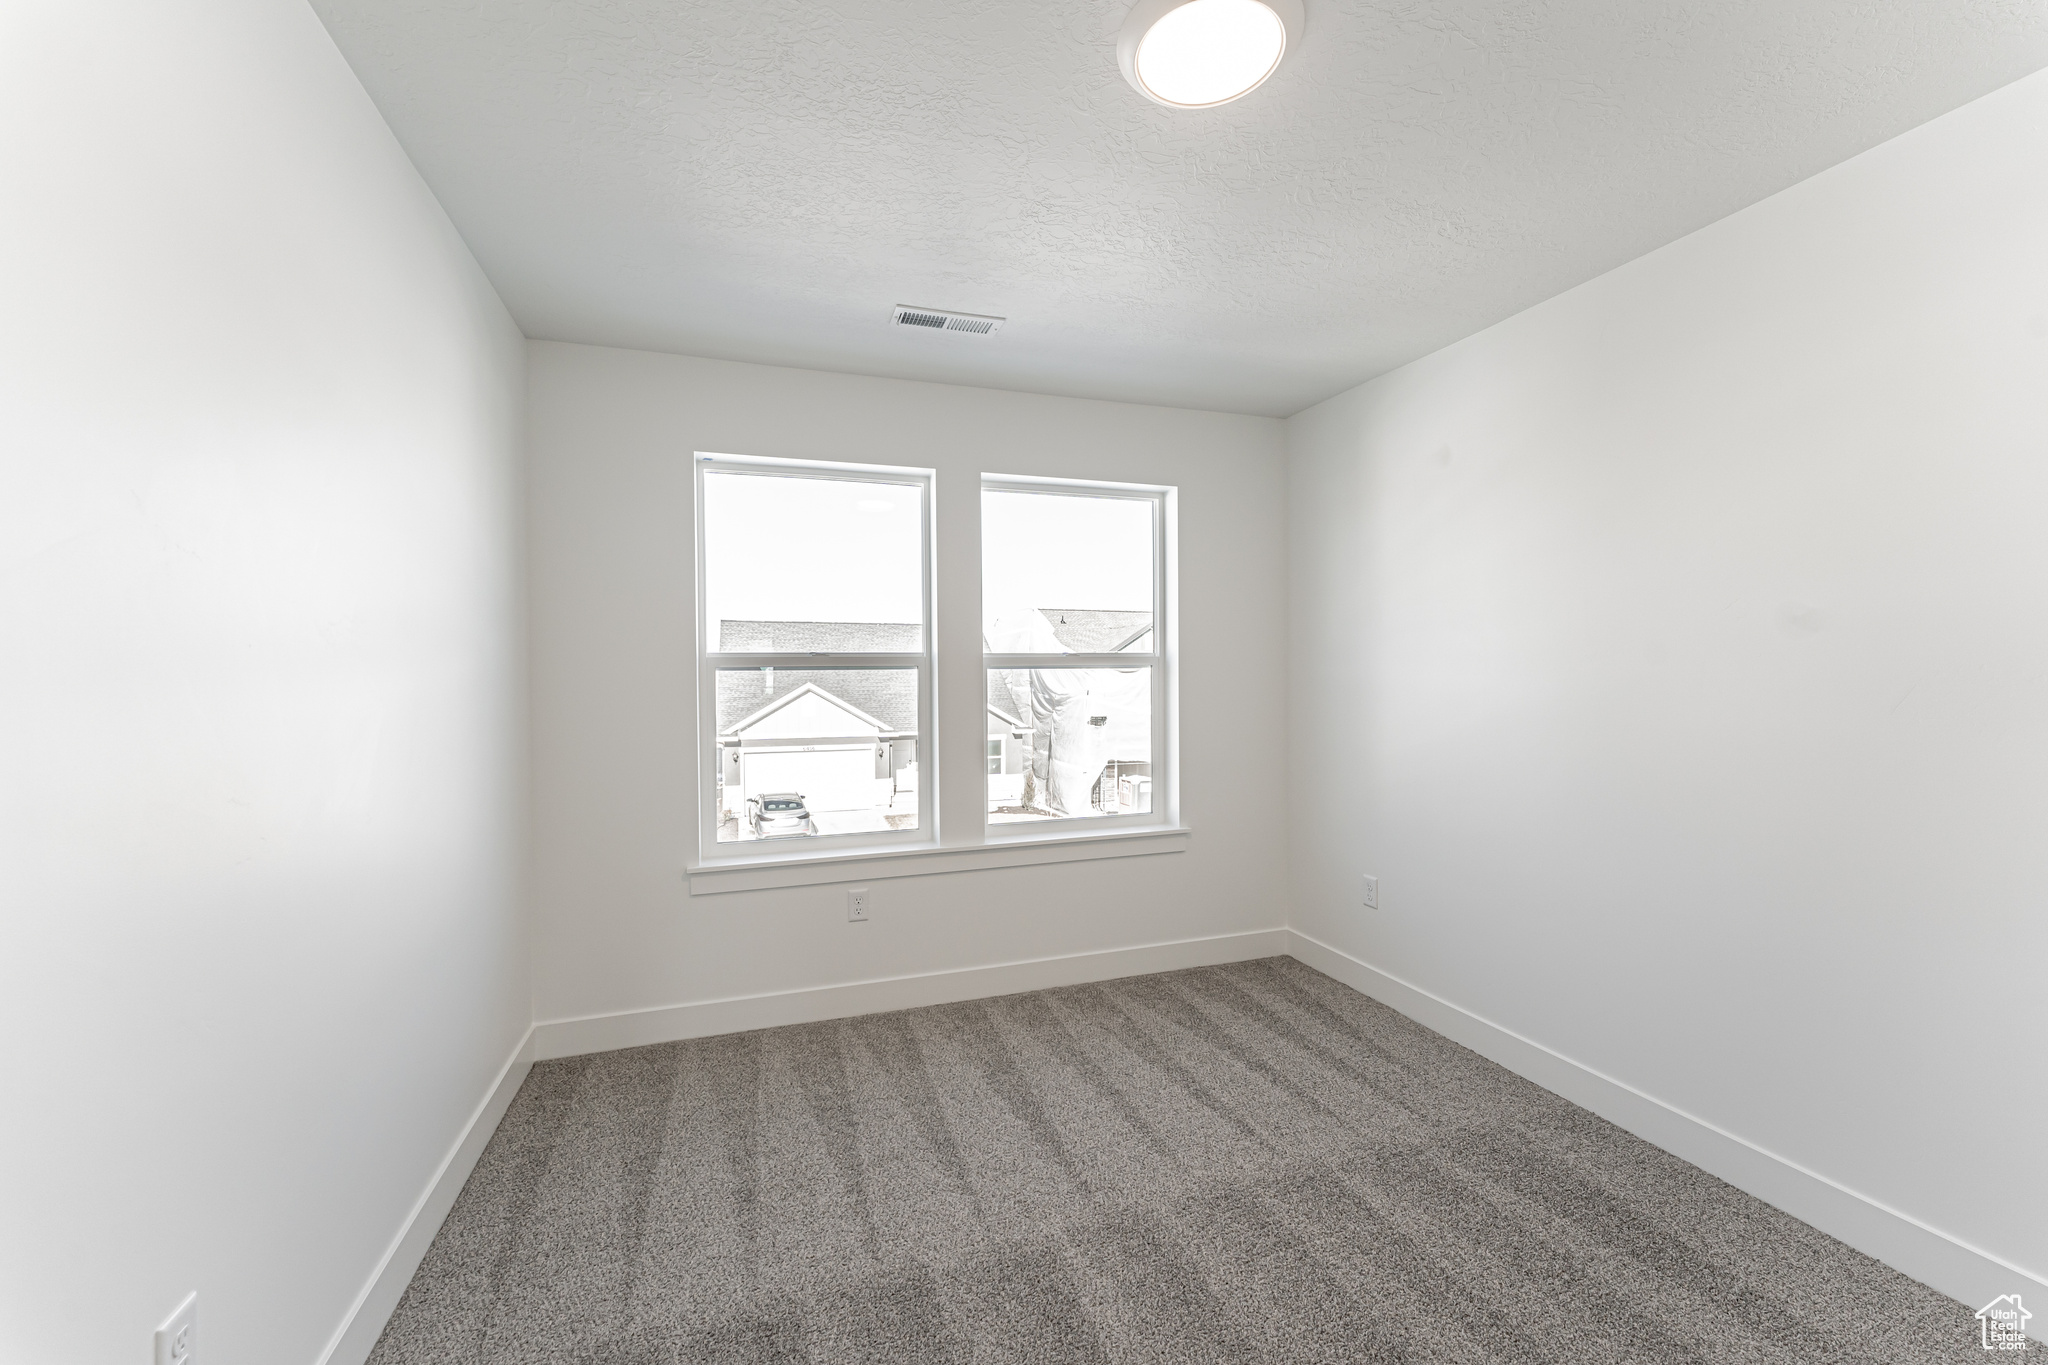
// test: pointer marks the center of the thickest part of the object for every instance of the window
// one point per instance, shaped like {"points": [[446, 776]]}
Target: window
{"points": [[817, 656], [814, 660], [1073, 585]]}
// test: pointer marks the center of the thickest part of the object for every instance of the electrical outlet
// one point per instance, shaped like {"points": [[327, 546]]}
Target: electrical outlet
{"points": [[857, 905], [1372, 893], [177, 1341]]}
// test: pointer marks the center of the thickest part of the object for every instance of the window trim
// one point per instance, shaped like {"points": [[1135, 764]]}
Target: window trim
{"points": [[1160, 659], [709, 663], [753, 865], [762, 874]]}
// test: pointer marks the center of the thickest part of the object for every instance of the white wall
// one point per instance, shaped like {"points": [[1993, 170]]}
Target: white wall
{"points": [[261, 950], [611, 434], [1675, 654]]}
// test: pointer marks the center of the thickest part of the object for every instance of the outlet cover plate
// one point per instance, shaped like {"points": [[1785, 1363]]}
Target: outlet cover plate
{"points": [[177, 1341], [857, 905], [1372, 893]]}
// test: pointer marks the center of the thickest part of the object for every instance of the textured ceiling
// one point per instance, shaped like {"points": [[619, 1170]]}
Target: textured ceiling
{"points": [[763, 179]]}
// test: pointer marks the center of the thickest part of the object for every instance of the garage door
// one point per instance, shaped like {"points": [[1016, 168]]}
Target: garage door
{"points": [[829, 779]]}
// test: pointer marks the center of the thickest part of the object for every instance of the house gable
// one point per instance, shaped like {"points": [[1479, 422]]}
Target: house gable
{"points": [[886, 695], [809, 713]]}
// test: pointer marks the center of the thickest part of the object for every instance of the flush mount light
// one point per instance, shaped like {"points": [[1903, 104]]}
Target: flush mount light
{"points": [[1194, 54]]}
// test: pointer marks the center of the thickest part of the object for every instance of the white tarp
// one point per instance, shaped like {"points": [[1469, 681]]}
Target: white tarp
{"points": [[1080, 717], [1081, 714]]}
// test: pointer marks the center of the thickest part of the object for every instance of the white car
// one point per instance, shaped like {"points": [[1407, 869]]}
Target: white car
{"points": [[776, 815]]}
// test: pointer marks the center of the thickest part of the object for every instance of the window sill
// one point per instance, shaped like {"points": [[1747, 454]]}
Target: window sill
{"points": [[761, 874]]}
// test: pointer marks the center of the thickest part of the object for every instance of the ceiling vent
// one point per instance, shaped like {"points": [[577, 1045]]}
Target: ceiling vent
{"points": [[941, 320]]}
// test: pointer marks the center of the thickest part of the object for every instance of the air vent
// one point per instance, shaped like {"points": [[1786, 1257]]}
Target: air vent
{"points": [[940, 320]]}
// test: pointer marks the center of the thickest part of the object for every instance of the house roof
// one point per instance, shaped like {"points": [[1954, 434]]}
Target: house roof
{"points": [[887, 694], [825, 637], [890, 694], [1087, 631], [778, 704], [1009, 696], [1083, 630]]}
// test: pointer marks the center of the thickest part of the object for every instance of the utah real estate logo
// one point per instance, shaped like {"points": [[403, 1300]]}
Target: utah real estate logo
{"points": [[2005, 1323]]}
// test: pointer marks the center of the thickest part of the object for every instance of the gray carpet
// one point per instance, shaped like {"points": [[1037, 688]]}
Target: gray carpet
{"points": [[1240, 1163]]}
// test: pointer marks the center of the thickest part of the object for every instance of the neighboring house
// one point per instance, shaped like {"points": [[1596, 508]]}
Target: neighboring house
{"points": [[809, 740], [1021, 727], [1009, 739], [1088, 734], [832, 734], [835, 734]]}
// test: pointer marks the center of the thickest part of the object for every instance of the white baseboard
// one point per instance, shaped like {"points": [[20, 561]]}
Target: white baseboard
{"points": [[637, 1028], [1927, 1254], [366, 1317]]}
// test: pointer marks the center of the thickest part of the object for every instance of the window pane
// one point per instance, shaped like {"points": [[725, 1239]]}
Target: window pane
{"points": [[1062, 574], [795, 565], [805, 752], [1077, 742]]}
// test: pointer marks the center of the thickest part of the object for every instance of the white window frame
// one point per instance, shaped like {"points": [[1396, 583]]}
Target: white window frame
{"points": [[712, 853], [1160, 659]]}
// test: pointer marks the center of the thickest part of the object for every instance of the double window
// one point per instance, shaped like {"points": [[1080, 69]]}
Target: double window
{"points": [[817, 723]]}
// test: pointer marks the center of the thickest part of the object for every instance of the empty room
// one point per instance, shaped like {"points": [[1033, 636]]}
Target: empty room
{"points": [[1075, 682]]}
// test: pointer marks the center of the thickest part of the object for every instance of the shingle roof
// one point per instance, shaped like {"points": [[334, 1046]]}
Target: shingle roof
{"points": [[887, 694], [1009, 691], [890, 694], [1087, 631], [826, 637]]}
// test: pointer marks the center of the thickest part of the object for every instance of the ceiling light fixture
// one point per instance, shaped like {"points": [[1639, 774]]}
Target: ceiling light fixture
{"points": [[1195, 54]]}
